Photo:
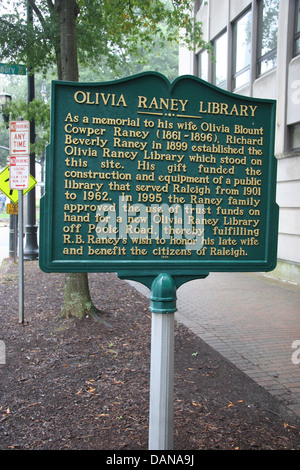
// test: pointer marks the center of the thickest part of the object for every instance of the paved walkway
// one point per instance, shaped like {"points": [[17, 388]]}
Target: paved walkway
{"points": [[4, 240], [252, 320]]}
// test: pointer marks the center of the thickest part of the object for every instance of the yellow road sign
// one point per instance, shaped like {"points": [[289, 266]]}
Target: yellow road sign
{"points": [[13, 194], [12, 209]]}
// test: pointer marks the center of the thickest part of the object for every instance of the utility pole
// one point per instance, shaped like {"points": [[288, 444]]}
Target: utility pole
{"points": [[31, 249]]}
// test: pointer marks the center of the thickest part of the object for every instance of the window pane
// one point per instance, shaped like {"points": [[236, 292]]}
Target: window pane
{"points": [[243, 42], [242, 79], [298, 17], [296, 137], [203, 65], [268, 33], [268, 63], [220, 66], [297, 32], [242, 50], [269, 25]]}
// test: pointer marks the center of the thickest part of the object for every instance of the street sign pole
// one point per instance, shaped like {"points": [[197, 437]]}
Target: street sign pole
{"points": [[31, 249], [21, 260], [15, 240], [19, 176], [13, 236]]}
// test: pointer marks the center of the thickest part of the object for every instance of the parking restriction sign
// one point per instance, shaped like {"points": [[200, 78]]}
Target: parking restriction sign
{"points": [[19, 141], [19, 172]]}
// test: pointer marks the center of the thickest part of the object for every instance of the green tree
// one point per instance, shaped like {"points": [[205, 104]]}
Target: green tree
{"points": [[92, 32], [109, 32]]}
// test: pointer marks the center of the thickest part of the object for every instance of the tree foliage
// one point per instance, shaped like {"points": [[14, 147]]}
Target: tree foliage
{"points": [[108, 31], [33, 44], [115, 38], [92, 32]]}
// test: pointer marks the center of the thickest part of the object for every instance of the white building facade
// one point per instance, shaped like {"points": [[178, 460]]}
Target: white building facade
{"points": [[256, 50]]}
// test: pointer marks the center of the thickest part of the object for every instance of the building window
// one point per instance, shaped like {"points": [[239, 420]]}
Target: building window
{"points": [[220, 61], [295, 136], [242, 50], [268, 11], [203, 58], [297, 29]]}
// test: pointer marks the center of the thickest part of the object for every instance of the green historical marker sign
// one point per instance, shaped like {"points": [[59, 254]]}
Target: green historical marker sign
{"points": [[145, 177]]}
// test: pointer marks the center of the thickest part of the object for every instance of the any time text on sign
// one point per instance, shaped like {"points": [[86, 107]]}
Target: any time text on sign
{"points": [[19, 142]]}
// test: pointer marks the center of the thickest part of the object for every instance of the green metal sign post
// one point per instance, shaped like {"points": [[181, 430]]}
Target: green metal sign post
{"points": [[147, 179]]}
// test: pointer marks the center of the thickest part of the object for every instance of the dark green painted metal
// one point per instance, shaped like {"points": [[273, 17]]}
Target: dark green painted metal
{"points": [[199, 121], [163, 294]]}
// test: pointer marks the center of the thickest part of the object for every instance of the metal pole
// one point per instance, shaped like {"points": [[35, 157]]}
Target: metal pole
{"points": [[12, 234], [31, 249], [161, 382], [163, 307], [15, 237], [21, 261]]}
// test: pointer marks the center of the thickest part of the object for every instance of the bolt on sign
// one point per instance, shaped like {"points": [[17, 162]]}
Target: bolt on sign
{"points": [[144, 177]]}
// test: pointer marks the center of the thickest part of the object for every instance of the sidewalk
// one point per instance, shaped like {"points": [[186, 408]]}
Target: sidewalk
{"points": [[252, 320], [4, 239]]}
